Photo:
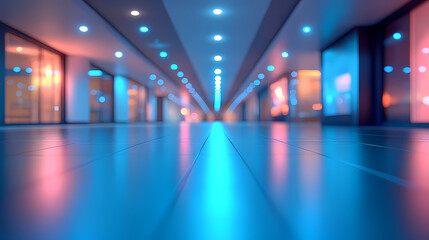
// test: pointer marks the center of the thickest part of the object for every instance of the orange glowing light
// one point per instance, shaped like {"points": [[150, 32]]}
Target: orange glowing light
{"points": [[285, 109], [132, 91], [317, 107], [387, 100], [184, 111], [312, 73], [19, 49]]}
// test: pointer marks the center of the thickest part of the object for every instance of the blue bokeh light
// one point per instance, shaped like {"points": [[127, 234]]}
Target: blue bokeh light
{"points": [[406, 70], [180, 74], [144, 29], [270, 68], [163, 54], [285, 54], [294, 74], [102, 99], [28, 70], [152, 77], [160, 82], [184, 80], [306, 29], [174, 66], [257, 82], [397, 36], [261, 76], [17, 69], [388, 69]]}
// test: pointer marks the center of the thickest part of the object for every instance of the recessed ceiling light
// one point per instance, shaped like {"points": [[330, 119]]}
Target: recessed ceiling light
{"points": [[163, 54], [144, 29], [306, 29], [257, 82], [184, 80], [135, 13], [217, 11], [152, 77], [19, 49], [180, 74], [270, 68], [174, 67], [218, 71], [83, 29], [217, 37], [218, 78], [261, 76], [285, 54], [160, 82], [119, 54], [218, 58]]}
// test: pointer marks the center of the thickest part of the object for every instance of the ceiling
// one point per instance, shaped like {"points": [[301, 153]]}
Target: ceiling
{"points": [[329, 20], [255, 33]]}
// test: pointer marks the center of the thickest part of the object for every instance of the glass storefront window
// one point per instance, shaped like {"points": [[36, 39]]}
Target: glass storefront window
{"points": [[101, 96], [279, 96], [33, 83], [136, 101]]}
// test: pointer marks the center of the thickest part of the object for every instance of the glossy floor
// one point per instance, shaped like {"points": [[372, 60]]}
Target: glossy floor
{"points": [[214, 181]]}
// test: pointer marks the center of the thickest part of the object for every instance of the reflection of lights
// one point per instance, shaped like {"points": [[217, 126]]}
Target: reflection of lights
{"points": [[317, 107], [19, 49], [21, 85], [343, 82], [406, 70], [31, 88], [56, 108], [163, 88], [397, 36], [386, 100], [425, 50], [184, 111], [388, 69], [49, 72], [18, 93], [279, 93], [422, 69], [425, 100]]}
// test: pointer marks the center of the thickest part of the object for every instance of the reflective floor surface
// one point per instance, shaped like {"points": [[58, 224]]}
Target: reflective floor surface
{"points": [[214, 181]]}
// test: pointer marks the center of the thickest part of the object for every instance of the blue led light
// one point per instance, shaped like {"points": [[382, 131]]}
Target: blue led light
{"points": [[406, 70], [270, 68], [18, 93], [184, 80], [17, 69], [163, 54], [294, 74], [397, 36], [285, 54], [95, 73], [388, 69], [160, 82], [257, 82], [261, 76], [102, 99], [174, 67], [306, 29], [152, 77], [28, 70], [144, 29], [218, 71], [188, 85], [180, 74]]}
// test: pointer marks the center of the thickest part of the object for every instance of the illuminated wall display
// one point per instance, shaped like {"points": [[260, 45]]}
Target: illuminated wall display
{"points": [[136, 101], [279, 96], [346, 80], [33, 82], [101, 96], [304, 95]]}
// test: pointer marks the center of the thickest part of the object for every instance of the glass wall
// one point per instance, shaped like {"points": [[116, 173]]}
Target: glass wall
{"points": [[101, 96], [279, 96], [304, 95], [340, 67], [406, 63], [33, 83], [136, 101]]}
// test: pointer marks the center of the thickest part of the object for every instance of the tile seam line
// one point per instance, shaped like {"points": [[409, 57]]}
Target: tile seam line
{"points": [[382, 175], [177, 192], [276, 211], [42, 149], [70, 170]]}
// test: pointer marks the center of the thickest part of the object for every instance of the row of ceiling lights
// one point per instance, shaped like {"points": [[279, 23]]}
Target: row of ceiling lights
{"points": [[261, 76], [217, 71]]}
